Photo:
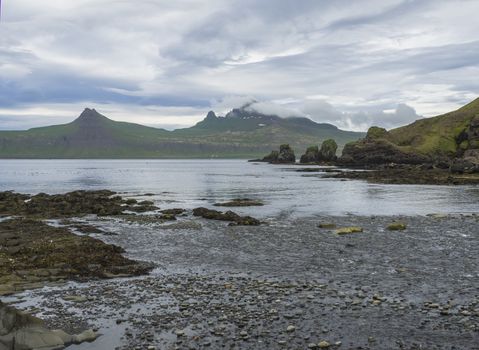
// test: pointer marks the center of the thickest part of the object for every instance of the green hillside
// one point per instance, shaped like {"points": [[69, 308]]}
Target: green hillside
{"points": [[240, 134], [438, 135], [454, 135]]}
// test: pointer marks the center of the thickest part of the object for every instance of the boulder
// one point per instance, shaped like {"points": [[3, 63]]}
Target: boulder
{"points": [[397, 226], [19, 330], [348, 230]]}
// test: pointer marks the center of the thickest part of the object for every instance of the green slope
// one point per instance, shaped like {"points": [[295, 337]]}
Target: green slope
{"points": [[454, 135], [438, 135], [92, 135]]}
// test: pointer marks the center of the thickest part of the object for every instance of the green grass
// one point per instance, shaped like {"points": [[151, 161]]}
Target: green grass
{"points": [[437, 135]]}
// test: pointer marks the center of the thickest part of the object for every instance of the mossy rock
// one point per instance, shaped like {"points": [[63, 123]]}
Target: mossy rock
{"points": [[375, 132], [348, 230], [397, 226], [312, 149], [328, 150]]}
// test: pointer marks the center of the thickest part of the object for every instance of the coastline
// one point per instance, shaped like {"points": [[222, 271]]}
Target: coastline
{"points": [[316, 286]]}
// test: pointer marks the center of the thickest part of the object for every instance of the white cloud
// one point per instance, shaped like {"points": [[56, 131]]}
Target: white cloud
{"points": [[362, 57], [362, 118], [269, 108]]}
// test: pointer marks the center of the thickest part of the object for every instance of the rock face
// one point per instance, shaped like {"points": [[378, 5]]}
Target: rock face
{"points": [[284, 156], [469, 137], [376, 152], [375, 149], [327, 153], [22, 331]]}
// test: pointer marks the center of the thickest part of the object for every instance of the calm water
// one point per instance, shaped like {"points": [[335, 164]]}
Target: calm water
{"points": [[191, 183]]}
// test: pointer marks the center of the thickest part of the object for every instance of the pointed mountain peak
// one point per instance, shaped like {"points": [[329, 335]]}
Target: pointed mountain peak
{"points": [[211, 115], [90, 116]]}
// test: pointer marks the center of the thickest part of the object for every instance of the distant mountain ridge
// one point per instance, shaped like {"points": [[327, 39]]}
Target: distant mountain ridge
{"points": [[241, 133]]}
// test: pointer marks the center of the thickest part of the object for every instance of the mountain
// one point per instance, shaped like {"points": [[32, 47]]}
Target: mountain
{"points": [[451, 136], [239, 134]]}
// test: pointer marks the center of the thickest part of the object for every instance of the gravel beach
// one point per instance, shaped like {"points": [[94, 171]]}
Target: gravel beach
{"points": [[285, 284]]}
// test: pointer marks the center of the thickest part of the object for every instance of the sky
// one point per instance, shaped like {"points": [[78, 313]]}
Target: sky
{"points": [[167, 63]]}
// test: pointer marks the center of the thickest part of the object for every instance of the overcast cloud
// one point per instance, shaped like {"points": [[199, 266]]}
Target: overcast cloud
{"points": [[166, 63]]}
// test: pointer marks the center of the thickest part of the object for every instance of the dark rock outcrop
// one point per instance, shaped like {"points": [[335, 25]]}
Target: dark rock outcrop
{"points": [[466, 165], [77, 203], [328, 150], [33, 254], [271, 158], [284, 156], [327, 153], [234, 218], [375, 152], [311, 155], [375, 149]]}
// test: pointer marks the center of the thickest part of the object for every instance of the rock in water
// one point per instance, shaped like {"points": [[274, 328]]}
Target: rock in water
{"points": [[272, 157], [311, 155], [328, 151], [234, 218], [240, 202], [286, 154]]}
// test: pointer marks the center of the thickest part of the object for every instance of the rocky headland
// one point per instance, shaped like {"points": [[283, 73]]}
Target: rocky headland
{"points": [[447, 141], [442, 150]]}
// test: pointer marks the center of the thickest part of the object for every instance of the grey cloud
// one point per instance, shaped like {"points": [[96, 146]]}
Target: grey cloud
{"points": [[362, 118], [362, 57]]}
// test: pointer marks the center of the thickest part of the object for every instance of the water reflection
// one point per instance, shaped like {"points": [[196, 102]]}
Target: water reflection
{"points": [[190, 183]]}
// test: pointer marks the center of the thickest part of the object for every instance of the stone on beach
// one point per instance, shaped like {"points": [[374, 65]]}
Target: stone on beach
{"points": [[348, 230]]}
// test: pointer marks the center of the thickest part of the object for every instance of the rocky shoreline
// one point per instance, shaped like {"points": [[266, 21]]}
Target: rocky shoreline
{"points": [[284, 284], [43, 244], [391, 283], [404, 175]]}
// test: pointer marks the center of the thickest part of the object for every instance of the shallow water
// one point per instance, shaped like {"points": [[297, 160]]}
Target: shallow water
{"points": [[191, 183], [434, 259]]}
